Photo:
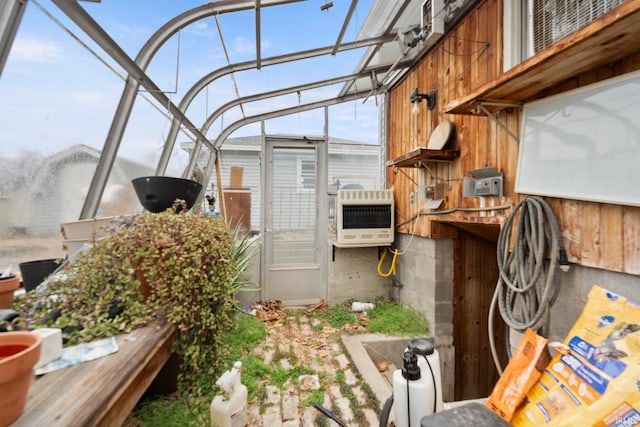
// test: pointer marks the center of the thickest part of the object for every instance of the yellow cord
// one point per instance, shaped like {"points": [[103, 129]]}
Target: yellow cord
{"points": [[392, 269]]}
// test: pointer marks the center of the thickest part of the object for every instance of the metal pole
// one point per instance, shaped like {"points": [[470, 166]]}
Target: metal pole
{"points": [[11, 12]]}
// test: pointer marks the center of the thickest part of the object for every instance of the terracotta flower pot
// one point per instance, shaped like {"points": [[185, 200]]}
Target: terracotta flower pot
{"points": [[19, 352], [7, 287]]}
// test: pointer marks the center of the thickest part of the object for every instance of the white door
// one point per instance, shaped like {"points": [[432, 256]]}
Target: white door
{"points": [[295, 249]]}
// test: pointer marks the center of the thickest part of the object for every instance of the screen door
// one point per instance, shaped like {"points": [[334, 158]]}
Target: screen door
{"points": [[294, 247]]}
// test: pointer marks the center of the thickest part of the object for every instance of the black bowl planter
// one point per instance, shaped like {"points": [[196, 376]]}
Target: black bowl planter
{"points": [[158, 193]]}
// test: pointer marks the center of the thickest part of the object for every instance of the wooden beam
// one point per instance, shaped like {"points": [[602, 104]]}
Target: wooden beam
{"points": [[221, 202]]}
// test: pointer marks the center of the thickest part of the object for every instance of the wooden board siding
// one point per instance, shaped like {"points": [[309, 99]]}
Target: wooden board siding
{"points": [[612, 37], [467, 56], [595, 234]]}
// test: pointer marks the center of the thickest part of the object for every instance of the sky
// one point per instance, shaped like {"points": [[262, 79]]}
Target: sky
{"points": [[54, 93]]}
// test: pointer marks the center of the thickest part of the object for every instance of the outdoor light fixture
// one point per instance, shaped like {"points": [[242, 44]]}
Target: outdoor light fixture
{"points": [[417, 97]]}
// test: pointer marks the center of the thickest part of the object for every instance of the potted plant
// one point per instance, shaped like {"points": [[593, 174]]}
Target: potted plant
{"points": [[187, 260]]}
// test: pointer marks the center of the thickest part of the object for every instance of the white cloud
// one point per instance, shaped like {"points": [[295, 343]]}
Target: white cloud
{"points": [[243, 45], [92, 100], [35, 50]]}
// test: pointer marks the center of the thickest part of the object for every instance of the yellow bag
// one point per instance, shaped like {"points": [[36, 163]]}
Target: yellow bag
{"points": [[598, 376]]}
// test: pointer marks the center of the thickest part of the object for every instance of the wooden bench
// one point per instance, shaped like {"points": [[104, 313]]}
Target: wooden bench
{"points": [[101, 392]]}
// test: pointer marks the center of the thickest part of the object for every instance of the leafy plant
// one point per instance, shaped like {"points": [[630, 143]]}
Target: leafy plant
{"points": [[174, 265], [244, 251]]}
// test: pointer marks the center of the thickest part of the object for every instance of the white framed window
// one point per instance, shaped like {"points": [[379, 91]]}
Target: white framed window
{"points": [[306, 175], [532, 25]]}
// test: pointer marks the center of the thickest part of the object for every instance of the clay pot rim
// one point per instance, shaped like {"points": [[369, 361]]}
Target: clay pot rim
{"points": [[9, 283], [29, 339]]}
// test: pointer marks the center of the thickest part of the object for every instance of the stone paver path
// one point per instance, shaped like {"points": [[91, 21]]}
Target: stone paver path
{"points": [[300, 340]]}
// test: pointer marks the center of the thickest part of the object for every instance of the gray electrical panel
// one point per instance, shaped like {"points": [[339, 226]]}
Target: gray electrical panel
{"points": [[483, 182]]}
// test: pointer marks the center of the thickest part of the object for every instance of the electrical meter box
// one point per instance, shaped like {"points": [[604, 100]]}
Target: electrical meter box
{"points": [[484, 182], [489, 186]]}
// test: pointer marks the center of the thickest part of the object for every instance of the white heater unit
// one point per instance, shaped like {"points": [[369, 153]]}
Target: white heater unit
{"points": [[365, 217], [433, 14]]}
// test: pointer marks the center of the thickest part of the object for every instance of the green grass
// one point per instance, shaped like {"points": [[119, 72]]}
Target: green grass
{"points": [[316, 396], [391, 319], [338, 316], [385, 318], [245, 335], [172, 410], [167, 411]]}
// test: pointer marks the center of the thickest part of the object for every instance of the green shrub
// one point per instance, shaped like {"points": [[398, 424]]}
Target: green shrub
{"points": [[187, 260]]}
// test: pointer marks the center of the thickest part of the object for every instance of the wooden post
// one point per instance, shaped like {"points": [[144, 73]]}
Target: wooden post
{"points": [[223, 207]]}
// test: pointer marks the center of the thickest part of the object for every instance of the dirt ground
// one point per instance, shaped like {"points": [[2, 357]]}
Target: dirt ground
{"points": [[13, 251]]}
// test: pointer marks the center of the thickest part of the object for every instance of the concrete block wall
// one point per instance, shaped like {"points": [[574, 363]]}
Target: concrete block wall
{"points": [[353, 275], [424, 282], [574, 290]]}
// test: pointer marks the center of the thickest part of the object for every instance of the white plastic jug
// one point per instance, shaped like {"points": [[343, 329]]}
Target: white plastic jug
{"points": [[230, 409], [416, 390]]}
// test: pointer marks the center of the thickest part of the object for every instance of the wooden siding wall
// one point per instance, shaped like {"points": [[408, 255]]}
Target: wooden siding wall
{"points": [[469, 55]]}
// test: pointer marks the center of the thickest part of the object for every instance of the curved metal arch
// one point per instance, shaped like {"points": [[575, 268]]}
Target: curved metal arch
{"points": [[192, 15], [238, 101], [265, 95], [201, 84], [125, 106], [285, 112], [270, 115]]}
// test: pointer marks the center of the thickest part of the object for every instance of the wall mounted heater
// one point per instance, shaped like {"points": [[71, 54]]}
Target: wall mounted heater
{"points": [[365, 217]]}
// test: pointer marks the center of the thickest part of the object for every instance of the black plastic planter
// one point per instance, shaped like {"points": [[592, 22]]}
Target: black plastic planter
{"points": [[158, 193], [34, 272]]}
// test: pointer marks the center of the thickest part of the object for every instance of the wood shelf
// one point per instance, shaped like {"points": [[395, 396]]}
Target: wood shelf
{"points": [[613, 36], [418, 156]]}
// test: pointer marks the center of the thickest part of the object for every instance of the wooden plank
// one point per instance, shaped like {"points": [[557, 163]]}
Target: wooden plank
{"points": [[591, 239], [612, 237], [572, 236], [631, 240], [223, 208], [417, 156], [101, 392]]}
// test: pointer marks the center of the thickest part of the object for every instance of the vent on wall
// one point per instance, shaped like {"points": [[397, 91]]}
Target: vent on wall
{"points": [[365, 217], [432, 21]]}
